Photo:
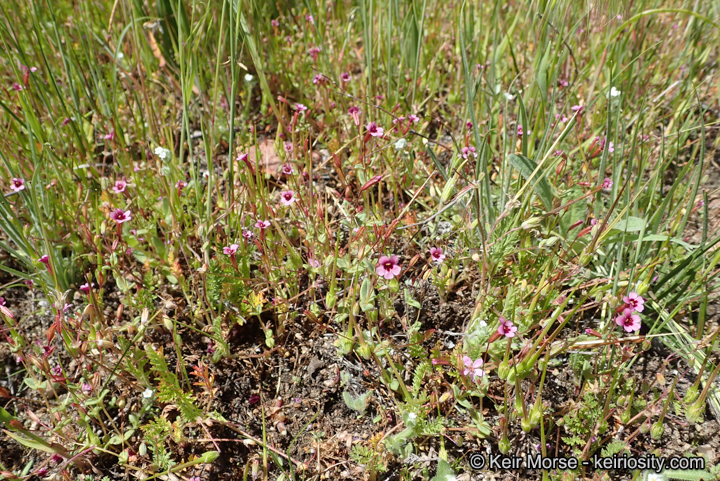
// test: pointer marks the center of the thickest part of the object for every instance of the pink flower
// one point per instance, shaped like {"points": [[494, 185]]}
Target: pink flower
{"points": [[634, 301], [469, 125], [86, 287], [86, 388], [607, 183], [287, 169], [181, 184], [300, 107], [110, 135], [628, 320], [506, 328], [242, 157], [563, 83], [275, 22], [2, 301], [388, 267], [345, 77], [230, 250], [287, 197], [66, 121], [558, 152], [262, 224], [354, 112], [288, 146], [314, 52], [466, 151], [437, 254], [611, 147], [398, 120], [519, 130], [17, 87], [119, 186], [472, 369], [120, 216], [413, 118], [319, 79], [577, 108], [313, 262], [45, 260], [16, 185], [310, 19], [247, 235], [374, 130]]}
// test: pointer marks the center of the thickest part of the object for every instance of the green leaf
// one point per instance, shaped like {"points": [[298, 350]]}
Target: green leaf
{"points": [[632, 224], [575, 212], [444, 471], [542, 187]]}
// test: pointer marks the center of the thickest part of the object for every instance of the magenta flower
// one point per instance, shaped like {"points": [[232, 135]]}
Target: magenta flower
{"points": [[230, 250], [86, 287], [86, 388], [300, 107], [354, 112], [16, 185], [120, 216], [577, 108], [388, 267], [506, 328], [319, 79], [413, 119], [242, 157], [288, 146], [2, 301], [345, 77], [628, 320], [181, 184], [287, 197], [437, 254], [558, 152], [470, 150], [17, 87], [310, 19], [374, 130], [45, 260], [563, 83], [110, 135], [247, 235], [469, 125], [473, 369], [287, 169], [611, 147], [607, 183], [634, 301], [314, 52], [519, 130], [275, 22], [119, 186], [262, 224], [313, 262]]}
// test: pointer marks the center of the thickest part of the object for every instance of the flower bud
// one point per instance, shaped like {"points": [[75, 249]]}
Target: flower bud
{"points": [[504, 444], [695, 412], [503, 370], [531, 223], [657, 430], [526, 424], [691, 394]]}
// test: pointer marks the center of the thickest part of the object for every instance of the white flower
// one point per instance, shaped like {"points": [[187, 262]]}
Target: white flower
{"points": [[248, 78], [650, 476], [120, 55], [148, 393], [613, 92], [482, 324], [509, 96], [400, 144], [162, 152]]}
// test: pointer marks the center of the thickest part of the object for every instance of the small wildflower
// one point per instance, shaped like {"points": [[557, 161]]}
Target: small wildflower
{"points": [[473, 368], [319, 79], [313, 262], [354, 112], [607, 183], [558, 153], [262, 224], [67, 307], [506, 328], [17, 87], [613, 92], [162, 152], [374, 130], [519, 130], [275, 22], [29, 283], [247, 235], [110, 136], [577, 108], [314, 52], [345, 77], [469, 125], [16, 184], [398, 120], [45, 259], [57, 370], [388, 267], [230, 250], [2, 301], [413, 119], [288, 147], [400, 144], [57, 459], [287, 197], [195, 478], [86, 388], [628, 320], [470, 150], [287, 169], [120, 216], [300, 107], [563, 83], [86, 287], [119, 186], [148, 393], [634, 301], [248, 78], [181, 184], [437, 254], [310, 19]]}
